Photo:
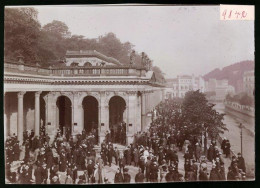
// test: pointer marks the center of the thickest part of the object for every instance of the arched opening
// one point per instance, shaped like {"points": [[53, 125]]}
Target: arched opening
{"points": [[64, 115], [117, 125], [90, 108], [88, 64]]}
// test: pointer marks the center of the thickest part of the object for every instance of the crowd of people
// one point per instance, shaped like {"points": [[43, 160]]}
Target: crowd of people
{"points": [[155, 155]]}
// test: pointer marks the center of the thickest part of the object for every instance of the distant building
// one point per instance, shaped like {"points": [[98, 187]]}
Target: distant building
{"points": [[220, 87], [178, 87], [249, 82]]}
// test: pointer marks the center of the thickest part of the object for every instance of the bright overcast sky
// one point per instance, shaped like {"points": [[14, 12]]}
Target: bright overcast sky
{"points": [[180, 40]]}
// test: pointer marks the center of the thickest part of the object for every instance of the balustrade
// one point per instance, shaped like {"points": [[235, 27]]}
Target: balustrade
{"points": [[73, 71]]}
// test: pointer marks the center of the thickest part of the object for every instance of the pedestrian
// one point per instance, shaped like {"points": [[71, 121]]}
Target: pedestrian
{"points": [[241, 162], [139, 177], [126, 176], [118, 176]]}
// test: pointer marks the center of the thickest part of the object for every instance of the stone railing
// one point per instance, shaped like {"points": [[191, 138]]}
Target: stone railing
{"points": [[18, 67], [248, 110]]}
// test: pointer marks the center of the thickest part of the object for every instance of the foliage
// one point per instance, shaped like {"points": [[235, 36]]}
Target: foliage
{"points": [[21, 32], [242, 98], [200, 115], [193, 114], [24, 36]]}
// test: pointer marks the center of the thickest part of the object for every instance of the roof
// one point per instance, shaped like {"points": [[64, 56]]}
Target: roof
{"points": [[92, 53], [185, 77]]}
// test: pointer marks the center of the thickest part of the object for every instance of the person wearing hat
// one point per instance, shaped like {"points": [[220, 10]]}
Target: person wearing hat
{"points": [[223, 144], [90, 169], [44, 173], [210, 153], [203, 175], [226, 149], [148, 165], [136, 156], [241, 162], [139, 177], [116, 155], [126, 176], [118, 176], [230, 174], [214, 174]]}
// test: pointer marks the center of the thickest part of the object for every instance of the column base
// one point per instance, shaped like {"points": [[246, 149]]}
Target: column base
{"points": [[129, 139], [101, 139]]}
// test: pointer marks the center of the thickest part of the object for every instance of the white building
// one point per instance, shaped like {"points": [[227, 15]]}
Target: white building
{"points": [[220, 87], [183, 83]]}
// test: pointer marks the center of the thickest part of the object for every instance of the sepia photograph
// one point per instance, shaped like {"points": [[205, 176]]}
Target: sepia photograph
{"points": [[129, 93]]}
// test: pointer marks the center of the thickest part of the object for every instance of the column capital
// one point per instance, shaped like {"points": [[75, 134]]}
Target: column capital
{"points": [[21, 94], [37, 93]]}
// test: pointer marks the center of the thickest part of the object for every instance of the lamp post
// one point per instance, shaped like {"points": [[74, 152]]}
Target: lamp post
{"points": [[241, 137]]}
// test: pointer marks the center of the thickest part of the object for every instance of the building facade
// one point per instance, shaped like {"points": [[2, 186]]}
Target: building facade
{"points": [[249, 82], [77, 97], [183, 83], [220, 87]]}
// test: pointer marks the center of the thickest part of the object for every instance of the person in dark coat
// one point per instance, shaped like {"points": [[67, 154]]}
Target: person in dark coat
{"points": [[127, 177], [139, 177], [116, 155], [214, 173], [49, 157], [169, 176], [110, 155], [142, 163], [122, 162], [241, 162], [128, 156], [44, 173], [136, 157], [148, 168], [38, 175], [230, 174], [226, 149], [223, 144], [203, 175], [63, 162], [154, 172], [118, 177]]}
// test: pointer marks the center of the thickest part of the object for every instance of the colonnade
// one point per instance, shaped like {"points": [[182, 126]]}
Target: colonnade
{"points": [[135, 114]]}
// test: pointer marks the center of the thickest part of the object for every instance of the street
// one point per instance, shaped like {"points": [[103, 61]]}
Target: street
{"points": [[233, 135]]}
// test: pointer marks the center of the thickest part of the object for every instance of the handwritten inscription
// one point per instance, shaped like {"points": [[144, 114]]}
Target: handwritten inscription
{"points": [[236, 12]]}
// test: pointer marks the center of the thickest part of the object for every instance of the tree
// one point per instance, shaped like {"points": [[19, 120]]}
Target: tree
{"points": [[200, 115], [21, 33], [57, 28]]}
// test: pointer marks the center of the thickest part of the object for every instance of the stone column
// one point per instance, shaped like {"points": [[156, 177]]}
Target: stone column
{"points": [[37, 113], [143, 107], [20, 117], [104, 116], [132, 104]]}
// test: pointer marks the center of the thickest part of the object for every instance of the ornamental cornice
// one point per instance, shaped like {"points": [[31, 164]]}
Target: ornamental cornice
{"points": [[131, 92]]}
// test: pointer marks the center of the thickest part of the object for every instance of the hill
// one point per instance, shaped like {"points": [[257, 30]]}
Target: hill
{"points": [[233, 73]]}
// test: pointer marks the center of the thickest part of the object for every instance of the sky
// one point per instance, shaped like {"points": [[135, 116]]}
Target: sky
{"points": [[179, 39]]}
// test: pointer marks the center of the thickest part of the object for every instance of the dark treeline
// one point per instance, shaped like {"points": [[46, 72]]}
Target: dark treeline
{"points": [[25, 36]]}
